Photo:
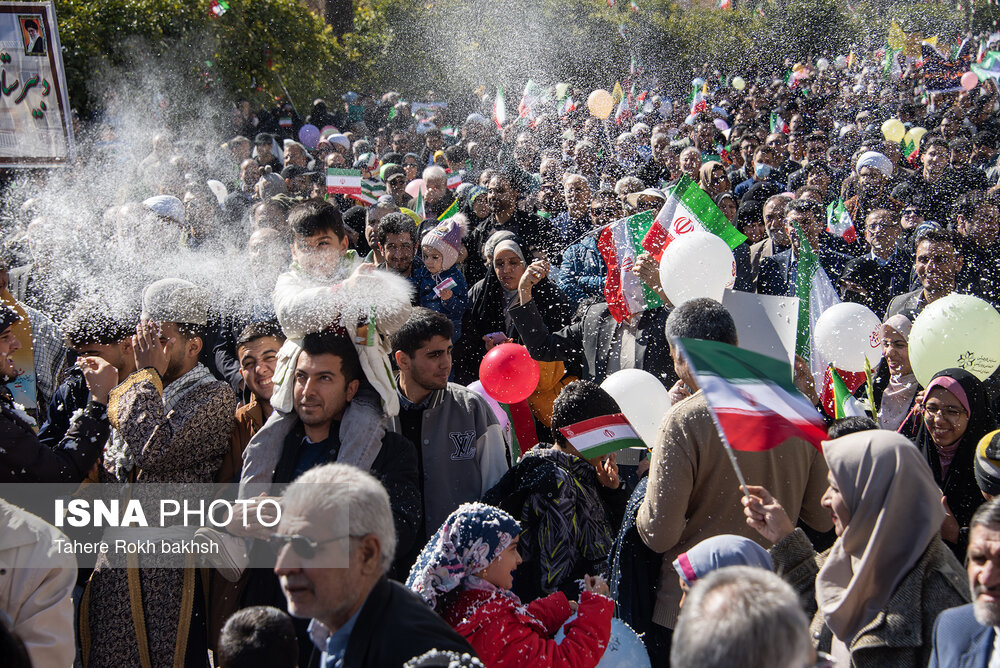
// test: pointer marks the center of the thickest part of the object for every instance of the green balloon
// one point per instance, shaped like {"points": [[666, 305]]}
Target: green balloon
{"points": [[957, 331]]}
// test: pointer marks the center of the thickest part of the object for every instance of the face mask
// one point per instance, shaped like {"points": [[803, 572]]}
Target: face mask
{"points": [[761, 170]]}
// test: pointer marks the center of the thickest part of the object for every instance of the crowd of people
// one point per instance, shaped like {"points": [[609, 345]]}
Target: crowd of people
{"points": [[476, 531]]}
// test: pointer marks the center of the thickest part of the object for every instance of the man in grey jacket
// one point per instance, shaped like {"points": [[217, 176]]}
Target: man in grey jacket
{"points": [[461, 451]]}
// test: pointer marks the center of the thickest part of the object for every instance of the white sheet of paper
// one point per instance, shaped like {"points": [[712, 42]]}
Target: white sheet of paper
{"points": [[766, 324]]}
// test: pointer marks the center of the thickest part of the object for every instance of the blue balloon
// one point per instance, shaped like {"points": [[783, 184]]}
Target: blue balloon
{"points": [[625, 647]]}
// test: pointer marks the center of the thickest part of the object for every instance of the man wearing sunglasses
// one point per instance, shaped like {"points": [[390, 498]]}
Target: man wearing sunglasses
{"points": [[359, 616]]}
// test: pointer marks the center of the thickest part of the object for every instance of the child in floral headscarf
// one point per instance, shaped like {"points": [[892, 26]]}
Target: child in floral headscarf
{"points": [[465, 573]]}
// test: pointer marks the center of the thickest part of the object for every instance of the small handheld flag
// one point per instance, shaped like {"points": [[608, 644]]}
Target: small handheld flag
{"points": [[602, 435], [343, 181], [446, 284]]}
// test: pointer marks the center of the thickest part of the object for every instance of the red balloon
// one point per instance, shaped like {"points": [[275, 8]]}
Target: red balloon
{"points": [[508, 373]]}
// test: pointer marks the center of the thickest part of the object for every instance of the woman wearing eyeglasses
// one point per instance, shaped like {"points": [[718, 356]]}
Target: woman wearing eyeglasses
{"points": [[954, 418]]}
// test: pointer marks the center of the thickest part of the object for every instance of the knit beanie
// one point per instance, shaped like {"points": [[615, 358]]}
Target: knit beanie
{"points": [[446, 238]]}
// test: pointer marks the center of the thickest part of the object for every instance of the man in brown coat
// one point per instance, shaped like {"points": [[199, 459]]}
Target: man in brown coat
{"points": [[693, 492], [175, 421]]}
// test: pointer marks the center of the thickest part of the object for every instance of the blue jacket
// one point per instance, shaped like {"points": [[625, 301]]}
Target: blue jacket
{"points": [[424, 282], [960, 641], [582, 272]]}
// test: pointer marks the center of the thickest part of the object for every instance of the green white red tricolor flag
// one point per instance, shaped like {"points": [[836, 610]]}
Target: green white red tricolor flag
{"points": [[988, 67], [420, 208], [844, 403], [816, 294], [688, 209], [533, 95], [602, 435], [838, 222], [500, 109], [756, 405], [698, 102], [567, 105], [218, 7], [620, 243], [343, 181], [371, 190]]}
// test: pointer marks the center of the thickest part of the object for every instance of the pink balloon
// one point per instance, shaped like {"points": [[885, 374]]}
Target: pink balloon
{"points": [[498, 411], [415, 186], [508, 373], [969, 81]]}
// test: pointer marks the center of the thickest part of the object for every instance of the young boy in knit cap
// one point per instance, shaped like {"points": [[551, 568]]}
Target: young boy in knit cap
{"points": [[440, 284]]}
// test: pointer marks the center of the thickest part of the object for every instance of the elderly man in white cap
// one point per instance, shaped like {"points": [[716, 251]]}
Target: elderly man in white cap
{"points": [[174, 420], [874, 172]]}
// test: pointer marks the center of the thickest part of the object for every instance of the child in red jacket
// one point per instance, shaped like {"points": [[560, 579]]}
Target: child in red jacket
{"points": [[465, 573]]}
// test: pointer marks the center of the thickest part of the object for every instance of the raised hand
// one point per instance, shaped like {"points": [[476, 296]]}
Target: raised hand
{"points": [[148, 350], [765, 514], [100, 377]]}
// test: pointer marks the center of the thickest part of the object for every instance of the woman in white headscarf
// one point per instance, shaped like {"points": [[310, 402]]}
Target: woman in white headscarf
{"points": [[895, 386], [878, 590]]}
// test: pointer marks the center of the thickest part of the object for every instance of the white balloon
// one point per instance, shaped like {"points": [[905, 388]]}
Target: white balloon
{"points": [[625, 648], [642, 398], [697, 264], [822, 64], [847, 333], [840, 62]]}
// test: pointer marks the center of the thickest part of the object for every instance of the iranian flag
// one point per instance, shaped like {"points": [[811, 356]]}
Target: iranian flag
{"points": [[688, 209], [844, 403], [698, 102], [533, 94], [816, 294], [500, 109], [620, 243], [778, 124], [371, 190], [988, 67], [911, 149], [343, 181], [420, 208], [454, 180], [218, 7], [838, 222], [602, 435], [755, 403], [567, 106]]}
